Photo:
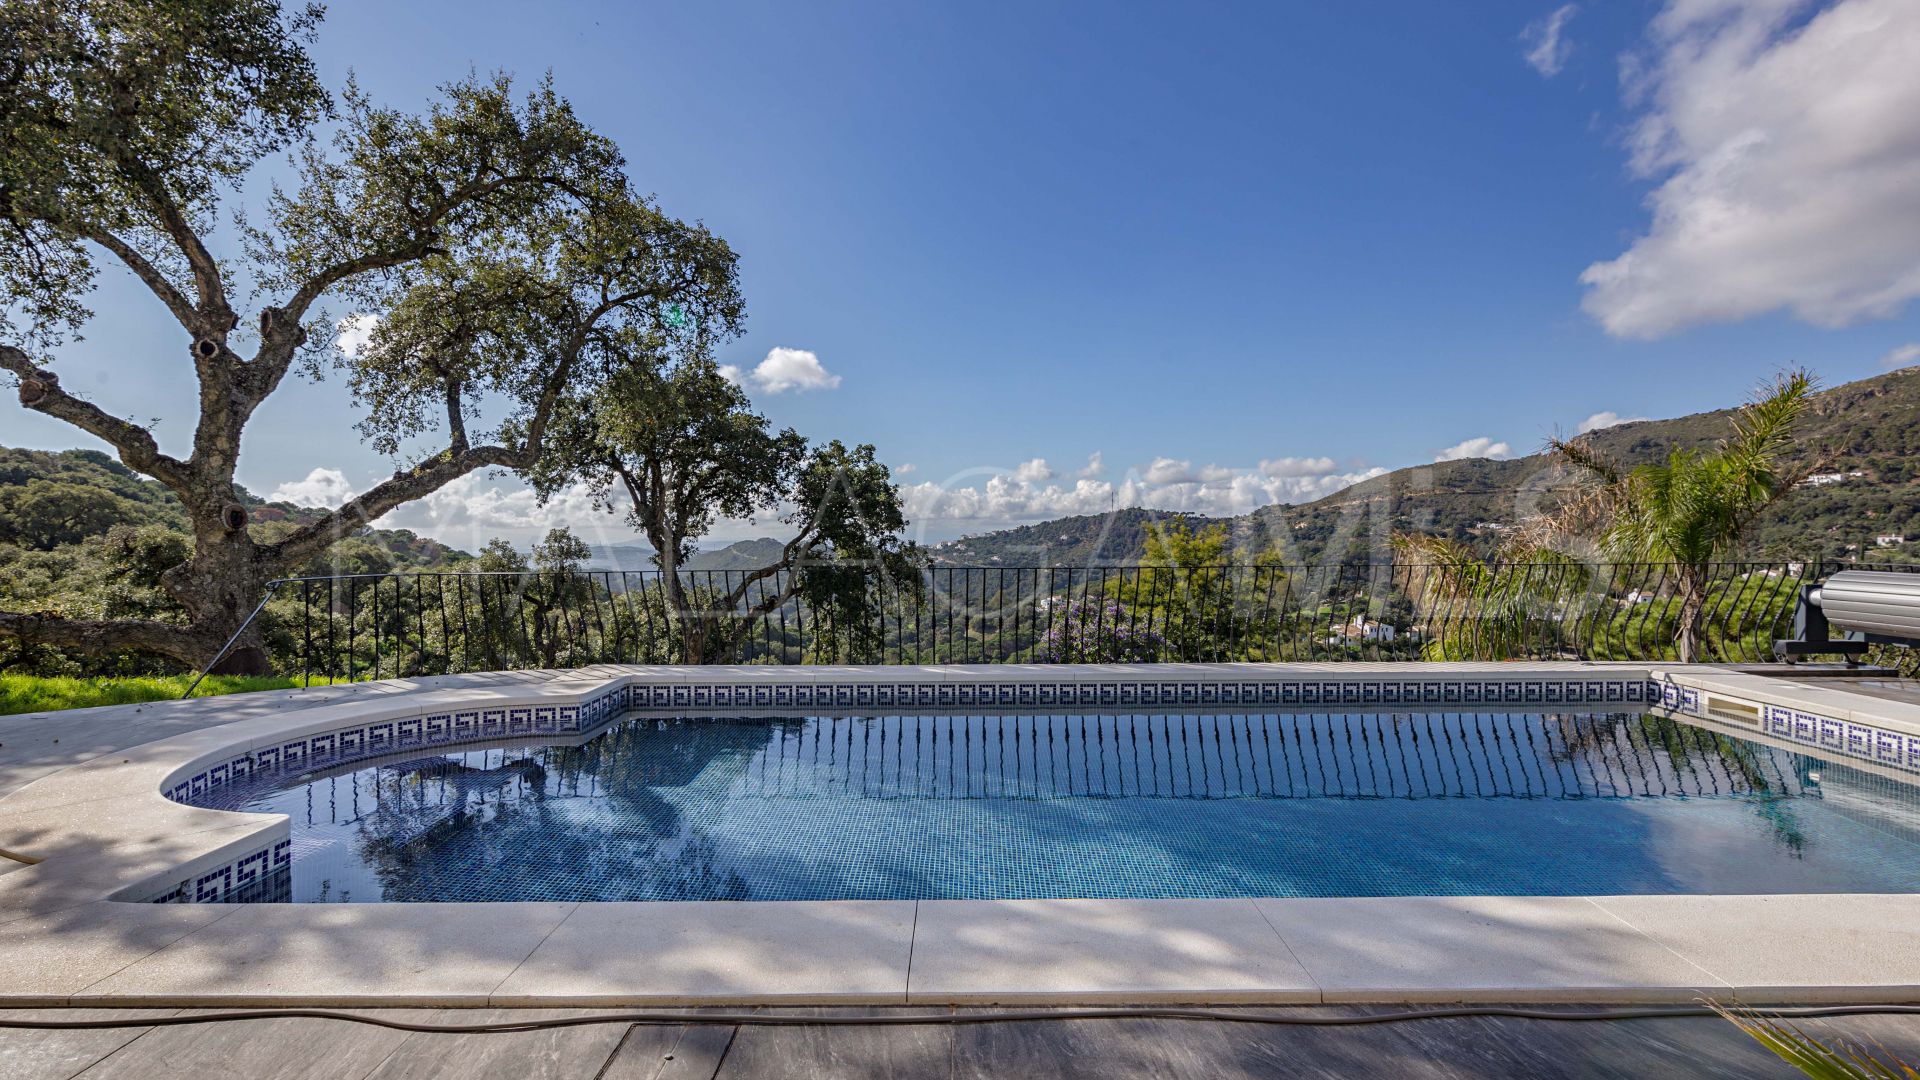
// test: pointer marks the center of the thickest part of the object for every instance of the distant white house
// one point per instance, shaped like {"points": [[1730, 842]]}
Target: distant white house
{"points": [[1825, 478], [1889, 540], [1639, 597], [1362, 629]]}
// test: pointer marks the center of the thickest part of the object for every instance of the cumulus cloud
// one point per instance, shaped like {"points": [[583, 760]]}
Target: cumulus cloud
{"points": [[1034, 472], [1787, 153], [1298, 466], [1901, 357], [1482, 446], [322, 487], [1166, 470], [1606, 418], [902, 470], [471, 510], [785, 369], [1546, 40], [352, 333], [1096, 464], [1005, 498]]}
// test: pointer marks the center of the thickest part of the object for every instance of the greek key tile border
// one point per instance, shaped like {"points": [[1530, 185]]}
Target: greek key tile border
{"points": [[1831, 736], [377, 738], [341, 746], [1681, 699], [997, 694], [249, 871]]}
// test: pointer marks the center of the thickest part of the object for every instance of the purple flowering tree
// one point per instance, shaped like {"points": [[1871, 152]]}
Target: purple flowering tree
{"points": [[1100, 632]]}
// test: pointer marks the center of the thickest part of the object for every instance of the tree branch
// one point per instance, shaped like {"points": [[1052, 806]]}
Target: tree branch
{"points": [[40, 391], [403, 487], [97, 636], [183, 311], [317, 286], [213, 306], [787, 556], [421, 244]]}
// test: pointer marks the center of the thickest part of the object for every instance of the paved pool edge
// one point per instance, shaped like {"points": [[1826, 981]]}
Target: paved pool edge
{"points": [[101, 828]]}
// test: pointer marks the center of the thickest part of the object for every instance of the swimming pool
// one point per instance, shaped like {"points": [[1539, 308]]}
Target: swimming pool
{"points": [[1176, 804]]}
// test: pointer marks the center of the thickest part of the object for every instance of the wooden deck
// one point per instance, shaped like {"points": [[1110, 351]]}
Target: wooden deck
{"points": [[302, 1049]]}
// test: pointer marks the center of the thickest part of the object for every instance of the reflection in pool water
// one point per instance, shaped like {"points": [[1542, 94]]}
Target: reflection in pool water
{"points": [[1098, 806]]}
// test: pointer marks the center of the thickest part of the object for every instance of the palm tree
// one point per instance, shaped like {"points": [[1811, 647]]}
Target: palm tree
{"points": [[1503, 608], [1694, 507]]}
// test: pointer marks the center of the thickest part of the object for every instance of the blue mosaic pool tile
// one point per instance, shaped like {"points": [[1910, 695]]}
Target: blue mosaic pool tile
{"points": [[350, 744], [1003, 804]]}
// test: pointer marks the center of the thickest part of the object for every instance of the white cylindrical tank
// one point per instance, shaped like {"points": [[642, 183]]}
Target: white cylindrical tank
{"points": [[1873, 602]]}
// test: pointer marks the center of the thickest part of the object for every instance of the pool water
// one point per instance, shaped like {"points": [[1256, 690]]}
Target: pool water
{"points": [[1207, 805]]}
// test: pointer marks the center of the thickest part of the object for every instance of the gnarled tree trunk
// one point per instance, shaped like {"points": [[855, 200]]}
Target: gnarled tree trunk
{"points": [[1692, 587]]}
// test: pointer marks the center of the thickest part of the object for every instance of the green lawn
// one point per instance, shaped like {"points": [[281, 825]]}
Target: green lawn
{"points": [[36, 693]]}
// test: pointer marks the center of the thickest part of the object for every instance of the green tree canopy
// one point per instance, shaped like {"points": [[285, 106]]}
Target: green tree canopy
{"points": [[685, 448], [493, 243]]}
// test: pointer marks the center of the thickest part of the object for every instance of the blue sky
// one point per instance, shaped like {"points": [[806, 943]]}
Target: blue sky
{"points": [[1191, 239]]}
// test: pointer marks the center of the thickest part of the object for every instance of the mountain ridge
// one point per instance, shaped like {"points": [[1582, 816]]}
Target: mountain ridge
{"points": [[1869, 427]]}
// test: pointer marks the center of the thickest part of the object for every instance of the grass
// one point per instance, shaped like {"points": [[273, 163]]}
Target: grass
{"points": [[47, 693], [1839, 1061]]}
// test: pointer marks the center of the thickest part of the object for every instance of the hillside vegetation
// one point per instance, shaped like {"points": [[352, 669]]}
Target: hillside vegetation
{"points": [[1870, 427], [83, 536]]}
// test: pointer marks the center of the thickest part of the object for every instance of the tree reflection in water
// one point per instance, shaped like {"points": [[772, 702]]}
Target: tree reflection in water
{"points": [[669, 809]]}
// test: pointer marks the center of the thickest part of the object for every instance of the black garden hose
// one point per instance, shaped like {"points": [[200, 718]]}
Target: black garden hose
{"points": [[1665, 1012]]}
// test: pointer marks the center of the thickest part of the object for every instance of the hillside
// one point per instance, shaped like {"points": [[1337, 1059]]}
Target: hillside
{"points": [[1086, 540], [52, 500], [1870, 427], [739, 555]]}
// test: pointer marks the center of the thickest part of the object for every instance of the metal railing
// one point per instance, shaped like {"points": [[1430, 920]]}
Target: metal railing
{"points": [[396, 625]]}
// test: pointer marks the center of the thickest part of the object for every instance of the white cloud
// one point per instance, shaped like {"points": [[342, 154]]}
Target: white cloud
{"points": [[322, 487], [1479, 447], [785, 369], [1096, 464], [353, 332], [1901, 357], [472, 509], [1546, 41], [1606, 418], [1788, 153], [1167, 471], [1005, 499], [1034, 472], [902, 470], [1298, 466]]}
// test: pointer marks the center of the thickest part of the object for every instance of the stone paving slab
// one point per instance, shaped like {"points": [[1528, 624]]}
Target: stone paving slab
{"points": [[1008, 951], [1863, 947], [1484, 948], [348, 954], [691, 952]]}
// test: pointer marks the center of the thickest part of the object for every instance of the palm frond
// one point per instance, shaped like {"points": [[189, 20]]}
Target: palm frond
{"points": [[1763, 428], [1584, 456]]}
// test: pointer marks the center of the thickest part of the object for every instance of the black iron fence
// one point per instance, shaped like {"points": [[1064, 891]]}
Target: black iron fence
{"points": [[391, 625]]}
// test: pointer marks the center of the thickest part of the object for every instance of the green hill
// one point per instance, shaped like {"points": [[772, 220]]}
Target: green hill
{"points": [[1867, 433], [50, 500], [1111, 539], [739, 555]]}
